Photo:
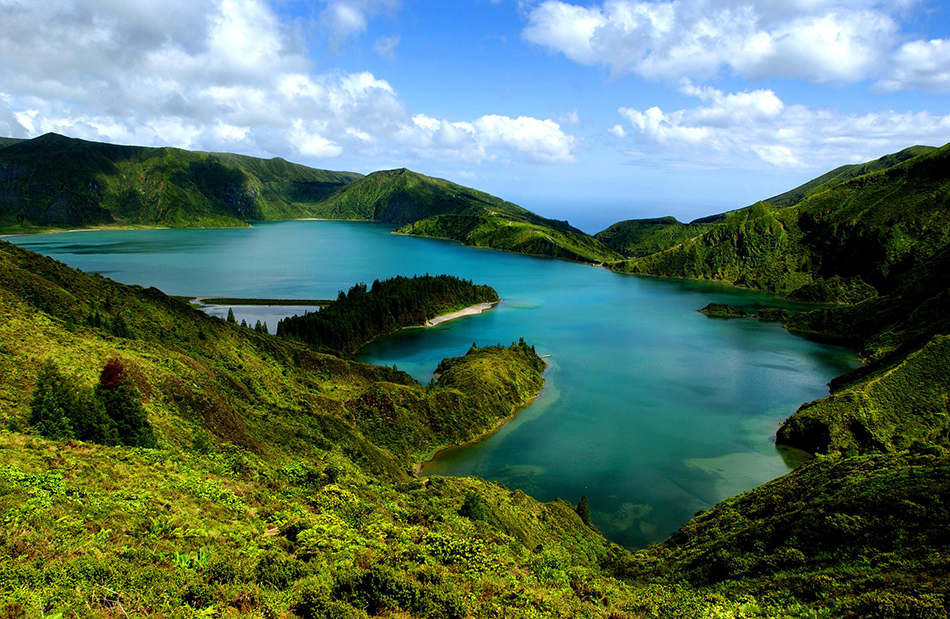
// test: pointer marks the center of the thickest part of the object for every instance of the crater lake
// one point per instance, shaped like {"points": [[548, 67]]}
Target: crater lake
{"points": [[651, 409]]}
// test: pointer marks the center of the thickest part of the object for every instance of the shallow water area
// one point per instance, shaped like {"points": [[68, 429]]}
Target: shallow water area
{"points": [[652, 410]]}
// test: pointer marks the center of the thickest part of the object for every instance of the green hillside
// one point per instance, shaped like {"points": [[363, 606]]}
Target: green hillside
{"points": [[851, 537], [846, 173], [636, 238], [433, 207], [280, 486], [58, 182], [54, 182], [403, 196], [849, 238]]}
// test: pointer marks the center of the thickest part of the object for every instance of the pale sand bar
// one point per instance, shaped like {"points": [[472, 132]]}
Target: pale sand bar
{"points": [[468, 311]]}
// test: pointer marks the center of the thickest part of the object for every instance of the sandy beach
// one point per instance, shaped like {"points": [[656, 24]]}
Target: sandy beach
{"points": [[468, 311]]}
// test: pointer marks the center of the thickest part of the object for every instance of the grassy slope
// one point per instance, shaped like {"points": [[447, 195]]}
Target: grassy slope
{"points": [[636, 238], [903, 394], [427, 206], [261, 441], [843, 238], [846, 173], [281, 485], [851, 537], [58, 182]]}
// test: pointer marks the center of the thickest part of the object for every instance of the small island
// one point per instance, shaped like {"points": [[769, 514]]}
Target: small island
{"points": [[721, 310], [766, 314]]}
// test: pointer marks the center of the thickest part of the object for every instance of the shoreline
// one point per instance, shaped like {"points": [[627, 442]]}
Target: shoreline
{"points": [[517, 408], [472, 310]]}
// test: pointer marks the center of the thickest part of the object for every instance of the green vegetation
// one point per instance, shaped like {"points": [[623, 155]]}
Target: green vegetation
{"points": [[838, 537], [55, 183], [773, 314], [872, 238], [157, 461], [509, 233], [636, 238], [280, 478], [721, 310], [58, 182], [843, 238], [360, 316]]}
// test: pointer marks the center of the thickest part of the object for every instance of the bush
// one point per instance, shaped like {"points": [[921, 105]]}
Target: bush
{"points": [[63, 409], [112, 414]]}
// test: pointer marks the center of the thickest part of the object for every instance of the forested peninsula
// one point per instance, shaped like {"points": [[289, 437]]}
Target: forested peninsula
{"points": [[158, 461], [361, 315]]}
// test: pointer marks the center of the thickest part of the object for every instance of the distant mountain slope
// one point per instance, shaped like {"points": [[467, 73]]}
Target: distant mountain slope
{"points": [[434, 207], [845, 173], [636, 238], [403, 196], [54, 181], [849, 238], [4, 142]]}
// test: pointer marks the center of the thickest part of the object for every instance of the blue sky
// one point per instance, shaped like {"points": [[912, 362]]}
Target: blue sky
{"points": [[590, 111]]}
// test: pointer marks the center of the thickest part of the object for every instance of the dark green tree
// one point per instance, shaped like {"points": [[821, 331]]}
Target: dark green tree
{"points": [[123, 405], [63, 409], [231, 315], [474, 506], [48, 411], [583, 510]]}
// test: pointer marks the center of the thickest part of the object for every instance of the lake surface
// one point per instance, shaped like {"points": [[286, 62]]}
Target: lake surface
{"points": [[652, 410]]}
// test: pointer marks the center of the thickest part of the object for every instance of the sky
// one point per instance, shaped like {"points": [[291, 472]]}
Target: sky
{"points": [[588, 111]]}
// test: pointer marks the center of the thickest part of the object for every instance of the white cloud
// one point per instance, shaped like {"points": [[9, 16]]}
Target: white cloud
{"points": [[223, 75], [570, 119], [924, 65], [541, 141], [538, 141], [343, 19], [618, 130], [817, 40], [386, 47], [756, 129]]}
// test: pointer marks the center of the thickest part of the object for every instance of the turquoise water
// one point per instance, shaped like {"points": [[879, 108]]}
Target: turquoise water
{"points": [[651, 409]]}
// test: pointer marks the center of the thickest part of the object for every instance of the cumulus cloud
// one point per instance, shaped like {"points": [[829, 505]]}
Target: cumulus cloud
{"points": [[538, 141], [757, 129], [343, 19], [618, 131], [817, 40], [923, 65], [221, 75]]}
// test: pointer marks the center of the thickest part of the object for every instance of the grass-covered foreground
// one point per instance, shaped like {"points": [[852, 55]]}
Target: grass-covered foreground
{"points": [[279, 485]]}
